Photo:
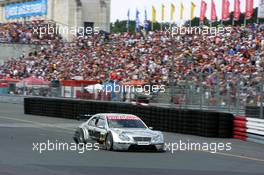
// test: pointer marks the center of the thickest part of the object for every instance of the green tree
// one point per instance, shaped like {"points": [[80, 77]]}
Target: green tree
{"points": [[121, 26]]}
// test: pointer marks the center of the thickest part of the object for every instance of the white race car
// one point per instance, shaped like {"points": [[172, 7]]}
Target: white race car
{"points": [[119, 132]]}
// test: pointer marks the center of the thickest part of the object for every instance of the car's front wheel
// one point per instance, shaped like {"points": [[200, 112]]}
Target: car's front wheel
{"points": [[79, 136], [109, 142]]}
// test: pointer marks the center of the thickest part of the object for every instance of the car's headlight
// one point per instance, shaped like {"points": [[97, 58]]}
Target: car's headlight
{"points": [[157, 138], [124, 137]]}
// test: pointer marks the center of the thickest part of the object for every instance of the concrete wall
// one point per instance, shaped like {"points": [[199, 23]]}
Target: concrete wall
{"points": [[97, 11], [13, 99]]}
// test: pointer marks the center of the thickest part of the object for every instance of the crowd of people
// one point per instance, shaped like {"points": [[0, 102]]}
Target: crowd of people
{"points": [[24, 33], [228, 60]]}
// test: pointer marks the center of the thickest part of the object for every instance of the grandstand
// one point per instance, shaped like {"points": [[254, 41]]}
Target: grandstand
{"points": [[70, 13], [223, 70]]}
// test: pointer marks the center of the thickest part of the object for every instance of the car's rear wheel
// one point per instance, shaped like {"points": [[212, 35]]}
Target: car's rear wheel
{"points": [[109, 142]]}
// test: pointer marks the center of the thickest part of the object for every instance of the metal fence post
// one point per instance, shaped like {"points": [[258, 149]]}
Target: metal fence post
{"points": [[191, 93], [228, 88], [201, 90], [238, 96], [218, 92], [186, 89], [261, 99]]}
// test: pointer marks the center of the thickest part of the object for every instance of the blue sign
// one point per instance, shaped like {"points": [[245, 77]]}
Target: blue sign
{"points": [[26, 9]]}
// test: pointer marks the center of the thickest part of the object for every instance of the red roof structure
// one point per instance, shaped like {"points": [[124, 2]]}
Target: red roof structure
{"points": [[8, 80], [34, 81], [78, 83]]}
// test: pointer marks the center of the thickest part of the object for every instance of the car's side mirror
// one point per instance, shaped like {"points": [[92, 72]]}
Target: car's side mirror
{"points": [[151, 128]]}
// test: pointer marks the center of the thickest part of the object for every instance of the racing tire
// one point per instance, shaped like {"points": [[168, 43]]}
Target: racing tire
{"points": [[109, 142], [79, 137]]}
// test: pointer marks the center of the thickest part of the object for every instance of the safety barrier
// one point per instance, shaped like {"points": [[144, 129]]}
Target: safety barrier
{"points": [[254, 112], [12, 99], [194, 122], [249, 129]]}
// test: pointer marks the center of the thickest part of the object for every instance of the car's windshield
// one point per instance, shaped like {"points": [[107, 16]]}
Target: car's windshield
{"points": [[125, 123]]}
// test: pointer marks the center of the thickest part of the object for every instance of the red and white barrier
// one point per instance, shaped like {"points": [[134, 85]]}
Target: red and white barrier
{"points": [[248, 129]]}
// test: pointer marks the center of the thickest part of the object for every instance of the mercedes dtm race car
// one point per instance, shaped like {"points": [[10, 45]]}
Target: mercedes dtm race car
{"points": [[119, 132]]}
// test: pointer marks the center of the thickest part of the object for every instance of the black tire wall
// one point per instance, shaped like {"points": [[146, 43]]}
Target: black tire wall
{"points": [[194, 122]]}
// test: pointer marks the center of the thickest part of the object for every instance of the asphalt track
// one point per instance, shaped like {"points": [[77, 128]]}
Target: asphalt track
{"points": [[18, 132]]}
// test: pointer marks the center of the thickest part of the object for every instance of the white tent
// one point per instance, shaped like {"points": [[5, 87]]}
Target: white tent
{"points": [[93, 88]]}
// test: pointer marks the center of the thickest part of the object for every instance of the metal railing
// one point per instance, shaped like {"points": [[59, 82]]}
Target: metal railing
{"points": [[234, 95]]}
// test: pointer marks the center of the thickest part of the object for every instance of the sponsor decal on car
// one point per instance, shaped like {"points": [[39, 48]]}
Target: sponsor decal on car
{"points": [[122, 118]]}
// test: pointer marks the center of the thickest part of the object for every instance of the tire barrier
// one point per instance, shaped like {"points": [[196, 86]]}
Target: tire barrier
{"points": [[194, 122], [249, 129]]}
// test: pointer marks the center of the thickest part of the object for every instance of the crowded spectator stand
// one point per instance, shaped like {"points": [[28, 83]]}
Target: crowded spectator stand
{"points": [[23, 32], [210, 69]]}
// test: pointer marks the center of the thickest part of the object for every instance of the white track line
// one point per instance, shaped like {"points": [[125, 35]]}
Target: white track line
{"points": [[41, 125], [68, 131]]}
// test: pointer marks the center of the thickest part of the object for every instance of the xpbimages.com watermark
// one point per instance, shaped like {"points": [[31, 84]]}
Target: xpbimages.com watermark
{"points": [[171, 147], [197, 30], [49, 146], [212, 147], [64, 30], [146, 89]]}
